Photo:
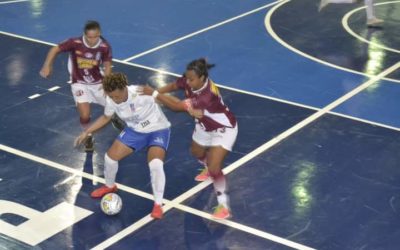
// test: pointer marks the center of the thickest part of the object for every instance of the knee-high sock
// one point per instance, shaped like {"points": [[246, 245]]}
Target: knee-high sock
{"points": [[219, 183], [157, 176], [369, 8], [110, 170]]}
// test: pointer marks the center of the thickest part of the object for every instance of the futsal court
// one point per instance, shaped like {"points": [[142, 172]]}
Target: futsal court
{"points": [[316, 94]]}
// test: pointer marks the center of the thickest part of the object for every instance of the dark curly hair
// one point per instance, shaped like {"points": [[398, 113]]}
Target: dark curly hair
{"points": [[114, 81]]}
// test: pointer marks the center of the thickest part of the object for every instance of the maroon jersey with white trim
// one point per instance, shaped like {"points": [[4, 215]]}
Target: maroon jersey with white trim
{"points": [[215, 113], [86, 61]]}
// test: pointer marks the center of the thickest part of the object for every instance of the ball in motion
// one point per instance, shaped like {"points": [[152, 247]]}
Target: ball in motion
{"points": [[111, 204]]}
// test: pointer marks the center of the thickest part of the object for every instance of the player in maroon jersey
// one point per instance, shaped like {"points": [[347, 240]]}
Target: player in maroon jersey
{"points": [[87, 53], [215, 129]]}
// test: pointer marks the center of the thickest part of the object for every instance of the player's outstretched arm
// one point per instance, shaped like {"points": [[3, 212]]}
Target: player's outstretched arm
{"points": [[47, 67], [98, 124], [171, 87]]}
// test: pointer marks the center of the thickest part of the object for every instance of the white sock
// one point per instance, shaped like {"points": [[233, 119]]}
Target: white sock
{"points": [[369, 9], [219, 183], [110, 170], [157, 176]]}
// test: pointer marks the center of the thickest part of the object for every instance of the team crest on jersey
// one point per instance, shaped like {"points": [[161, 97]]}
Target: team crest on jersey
{"points": [[79, 92], [78, 52], [132, 106], [98, 56], [88, 55]]}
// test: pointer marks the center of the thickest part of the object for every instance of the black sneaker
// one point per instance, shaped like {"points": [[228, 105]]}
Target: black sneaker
{"points": [[89, 144], [117, 123]]}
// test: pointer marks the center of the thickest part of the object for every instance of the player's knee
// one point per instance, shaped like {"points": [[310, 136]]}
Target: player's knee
{"points": [[84, 120], [156, 164]]}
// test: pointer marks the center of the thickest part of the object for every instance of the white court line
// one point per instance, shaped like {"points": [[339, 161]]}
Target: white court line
{"points": [[34, 96], [54, 88], [200, 31], [219, 85], [169, 204], [345, 24], [15, 1], [270, 30]]}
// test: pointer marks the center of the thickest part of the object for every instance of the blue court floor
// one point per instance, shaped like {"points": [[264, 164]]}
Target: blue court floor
{"points": [[315, 164]]}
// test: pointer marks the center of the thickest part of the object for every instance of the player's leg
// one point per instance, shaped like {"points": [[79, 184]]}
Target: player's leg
{"points": [[215, 160], [82, 97], [158, 144], [372, 21], [200, 142], [324, 3], [115, 153], [222, 142]]}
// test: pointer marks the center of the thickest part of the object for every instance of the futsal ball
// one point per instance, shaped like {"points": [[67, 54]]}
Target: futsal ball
{"points": [[111, 204]]}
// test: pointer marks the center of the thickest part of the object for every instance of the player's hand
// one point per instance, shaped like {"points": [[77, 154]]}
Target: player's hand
{"points": [[146, 90], [196, 113], [80, 139], [45, 72]]}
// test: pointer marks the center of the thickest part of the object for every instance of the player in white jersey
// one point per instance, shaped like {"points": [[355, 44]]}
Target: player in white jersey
{"points": [[147, 127]]}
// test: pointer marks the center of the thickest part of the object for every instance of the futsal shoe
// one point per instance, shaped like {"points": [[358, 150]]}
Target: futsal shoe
{"points": [[101, 191], [157, 212], [89, 144], [204, 175], [221, 212], [374, 22]]}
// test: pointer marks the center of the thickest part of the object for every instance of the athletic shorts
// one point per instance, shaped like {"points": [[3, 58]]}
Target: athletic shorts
{"points": [[137, 141], [224, 137], [88, 93]]}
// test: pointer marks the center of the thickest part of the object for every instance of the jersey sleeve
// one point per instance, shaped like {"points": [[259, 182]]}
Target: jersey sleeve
{"points": [[181, 82], [67, 45], [107, 55], [109, 109]]}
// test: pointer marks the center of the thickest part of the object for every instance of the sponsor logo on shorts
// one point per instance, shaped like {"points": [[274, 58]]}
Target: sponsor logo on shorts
{"points": [[159, 140], [79, 92]]}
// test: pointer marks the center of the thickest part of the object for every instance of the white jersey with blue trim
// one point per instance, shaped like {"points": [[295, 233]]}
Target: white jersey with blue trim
{"points": [[140, 112]]}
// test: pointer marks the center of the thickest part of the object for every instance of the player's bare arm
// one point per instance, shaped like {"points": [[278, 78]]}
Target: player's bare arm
{"points": [[47, 67], [171, 87], [98, 124], [107, 67]]}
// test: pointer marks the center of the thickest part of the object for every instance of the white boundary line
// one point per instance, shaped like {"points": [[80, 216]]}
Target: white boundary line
{"points": [[168, 204], [15, 1], [270, 30], [345, 23], [200, 31], [219, 85]]}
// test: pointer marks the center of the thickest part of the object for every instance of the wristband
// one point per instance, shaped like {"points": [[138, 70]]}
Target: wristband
{"points": [[155, 94]]}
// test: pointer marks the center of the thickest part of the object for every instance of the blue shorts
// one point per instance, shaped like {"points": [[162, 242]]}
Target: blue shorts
{"points": [[137, 141]]}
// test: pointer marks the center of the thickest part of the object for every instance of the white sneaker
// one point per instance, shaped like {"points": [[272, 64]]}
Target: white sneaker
{"points": [[374, 22], [323, 4]]}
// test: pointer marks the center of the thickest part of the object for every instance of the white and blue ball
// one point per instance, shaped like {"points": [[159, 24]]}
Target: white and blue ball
{"points": [[111, 204]]}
